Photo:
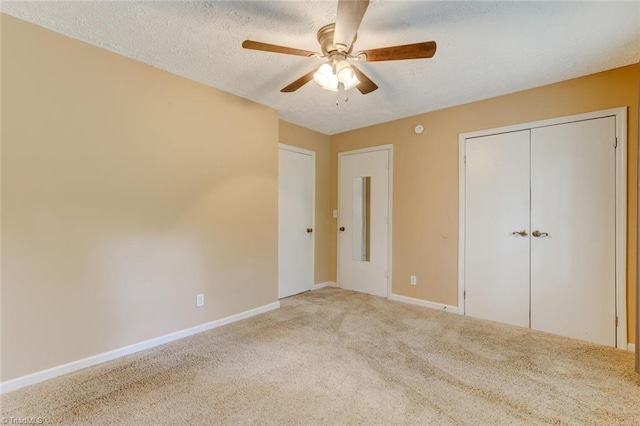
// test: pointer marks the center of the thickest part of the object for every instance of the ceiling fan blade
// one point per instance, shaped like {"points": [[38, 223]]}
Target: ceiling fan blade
{"points": [[425, 49], [348, 19], [256, 45], [366, 85], [299, 82]]}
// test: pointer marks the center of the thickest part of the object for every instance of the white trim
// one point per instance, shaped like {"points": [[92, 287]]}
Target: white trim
{"points": [[424, 303], [549, 122], [40, 376], [312, 154], [338, 225], [462, 209], [621, 226], [323, 285], [296, 149], [631, 347], [620, 115], [390, 227], [389, 148]]}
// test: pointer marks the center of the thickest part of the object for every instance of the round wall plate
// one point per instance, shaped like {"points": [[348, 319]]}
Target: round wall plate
{"points": [[419, 129]]}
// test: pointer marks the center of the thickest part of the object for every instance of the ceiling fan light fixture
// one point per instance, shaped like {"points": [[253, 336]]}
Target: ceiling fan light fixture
{"points": [[343, 71], [350, 84], [337, 71], [323, 75], [326, 78], [346, 75], [332, 85], [348, 78]]}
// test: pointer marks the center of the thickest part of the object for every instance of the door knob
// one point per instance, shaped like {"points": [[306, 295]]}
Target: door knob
{"points": [[538, 234], [309, 230], [522, 233], [342, 228]]}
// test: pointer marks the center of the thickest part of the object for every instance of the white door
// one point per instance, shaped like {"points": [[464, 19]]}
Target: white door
{"points": [[296, 169], [363, 206], [497, 228], [573, 207]]}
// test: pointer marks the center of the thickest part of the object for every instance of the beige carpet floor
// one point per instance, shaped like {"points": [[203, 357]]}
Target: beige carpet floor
{"points": [[337, 357]]}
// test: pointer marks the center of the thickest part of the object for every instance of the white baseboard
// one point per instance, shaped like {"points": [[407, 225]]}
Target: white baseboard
{"points": [[631, 347], [40, 376], [323, 285], [425, 303]]}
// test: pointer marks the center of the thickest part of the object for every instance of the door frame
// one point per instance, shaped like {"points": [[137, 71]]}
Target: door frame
{"points": [[389, 149], [620, 115], [313, 203]]}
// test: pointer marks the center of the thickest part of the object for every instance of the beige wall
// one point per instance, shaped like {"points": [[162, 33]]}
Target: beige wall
{"points": [[301, 137], [425, 205], [126, 190]]}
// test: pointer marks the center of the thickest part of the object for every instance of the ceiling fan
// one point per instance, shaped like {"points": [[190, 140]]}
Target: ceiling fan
{"points": [[336, 43]]}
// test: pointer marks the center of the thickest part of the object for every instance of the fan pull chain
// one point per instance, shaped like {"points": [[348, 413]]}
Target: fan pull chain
{"points": [[340, 92]]}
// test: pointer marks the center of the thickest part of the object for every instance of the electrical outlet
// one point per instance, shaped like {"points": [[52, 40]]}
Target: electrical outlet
{"points": [[200, 300], [414, 280]]}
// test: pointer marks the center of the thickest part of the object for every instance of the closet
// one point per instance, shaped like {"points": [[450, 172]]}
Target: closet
{"points": [[539, 228]]}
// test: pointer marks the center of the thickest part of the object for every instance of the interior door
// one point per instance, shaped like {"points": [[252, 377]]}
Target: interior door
{"points": [[573, 230], [363, 207], [497, 228], [295, 221]]}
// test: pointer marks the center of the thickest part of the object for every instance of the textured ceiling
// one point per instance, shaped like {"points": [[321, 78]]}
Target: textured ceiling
{"points": [[485, 48]]}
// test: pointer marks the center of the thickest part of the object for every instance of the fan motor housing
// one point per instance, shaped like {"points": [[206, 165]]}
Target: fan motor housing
{"points": [[325, 38]]}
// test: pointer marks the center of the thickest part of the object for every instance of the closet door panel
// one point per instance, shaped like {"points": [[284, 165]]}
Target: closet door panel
{"points": [[497, 207], [573, 207]]}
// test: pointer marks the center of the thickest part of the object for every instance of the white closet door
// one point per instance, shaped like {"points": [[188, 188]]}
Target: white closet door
{"points": [[573, 201], [497, 207], [295, 222]]}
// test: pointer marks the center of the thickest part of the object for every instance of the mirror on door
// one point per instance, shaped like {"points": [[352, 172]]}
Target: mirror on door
{"points": [[361, 218]]}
